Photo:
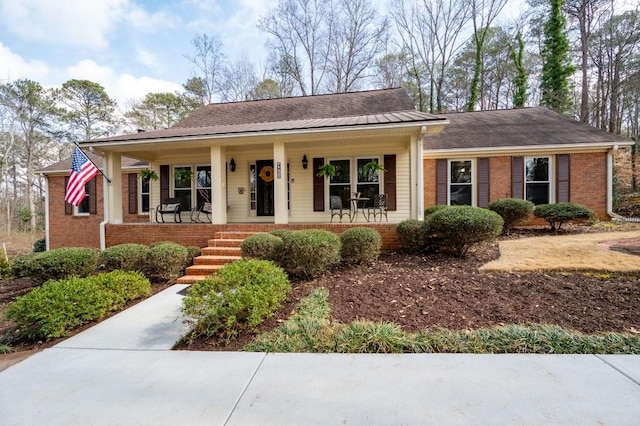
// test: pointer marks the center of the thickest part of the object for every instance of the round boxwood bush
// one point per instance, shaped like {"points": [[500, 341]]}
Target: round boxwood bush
{"points": [[411, 234], [360, 244], [261, 246], [308, 253], [192, 253], [240, 294], [124, 257], [166, 261], [513, 211], [557, 214], [56, 264], [40, 246], [432, 209], [459, 227]]}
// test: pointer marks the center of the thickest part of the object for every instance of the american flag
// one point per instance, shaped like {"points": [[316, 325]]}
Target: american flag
{"points": [[82, 171]]}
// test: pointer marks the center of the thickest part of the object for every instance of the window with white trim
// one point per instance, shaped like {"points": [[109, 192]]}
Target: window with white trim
{"points": [[203, 185], [367, 186], [340, 183], [143, 195], [537, 186], [83, 208], [460, 182], [182, 178]]}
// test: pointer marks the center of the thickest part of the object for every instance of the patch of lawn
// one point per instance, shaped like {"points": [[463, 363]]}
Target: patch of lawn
{"points": [[310, 330]]}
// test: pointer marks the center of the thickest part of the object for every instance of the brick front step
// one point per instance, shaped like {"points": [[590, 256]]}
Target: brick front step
{"points": [[215, 260], [232, 235], [225, 242], [190, 279], [221, 251]]}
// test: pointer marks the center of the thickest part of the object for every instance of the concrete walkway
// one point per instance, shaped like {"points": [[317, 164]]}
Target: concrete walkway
{"points": [[121, 372]]}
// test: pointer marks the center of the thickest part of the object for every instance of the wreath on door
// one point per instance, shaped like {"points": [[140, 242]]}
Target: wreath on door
{"points": [[266, 173]]}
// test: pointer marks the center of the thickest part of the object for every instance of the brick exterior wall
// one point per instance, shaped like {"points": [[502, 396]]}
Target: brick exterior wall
{"points": [[81, 231], [192, 234], [588, 181]]}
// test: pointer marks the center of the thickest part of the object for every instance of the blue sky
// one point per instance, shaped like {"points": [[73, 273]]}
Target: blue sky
{"points": [[131, 47]]}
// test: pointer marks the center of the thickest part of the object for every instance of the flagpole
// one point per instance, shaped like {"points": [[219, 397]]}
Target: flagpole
{"points": [[96, 166]]}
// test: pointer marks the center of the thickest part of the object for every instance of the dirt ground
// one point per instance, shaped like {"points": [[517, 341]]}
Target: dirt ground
{"points": [[436, 290]]}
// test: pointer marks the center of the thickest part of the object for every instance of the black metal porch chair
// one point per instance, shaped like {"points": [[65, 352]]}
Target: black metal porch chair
{"points": [[169, 206], [205, 209], [379, 207], [335, 204]]}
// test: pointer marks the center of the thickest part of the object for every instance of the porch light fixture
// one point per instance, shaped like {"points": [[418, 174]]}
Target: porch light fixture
{"points": [[305, 162], [232, 165]]}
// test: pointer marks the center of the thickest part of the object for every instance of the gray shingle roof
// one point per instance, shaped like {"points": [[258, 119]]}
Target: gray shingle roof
{"points": [[389, 106], [524, 127]]}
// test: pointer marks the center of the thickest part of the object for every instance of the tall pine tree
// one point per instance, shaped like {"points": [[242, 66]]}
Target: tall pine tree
{"points": [[557, 67]]}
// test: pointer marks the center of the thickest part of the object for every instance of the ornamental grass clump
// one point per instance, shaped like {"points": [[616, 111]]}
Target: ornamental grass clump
{"points": [[239, 295], [124, 257], [261, 246], [308, 253], [557, 214], [166, 260], [514, 212], [56, 264], [459, 227], [59, 306], [360, 245]]}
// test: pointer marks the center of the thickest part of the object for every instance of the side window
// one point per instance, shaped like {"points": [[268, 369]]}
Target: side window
{"points": [[460, 182], [83, 208], [340, 183], [368, 185], [537, 180], [143, 195], [203, 185], [182, 186]]}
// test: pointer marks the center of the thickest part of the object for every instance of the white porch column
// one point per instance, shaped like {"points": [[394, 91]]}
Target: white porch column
{"points": [[219, 185], [420, 174], [413, 152], [113, 170], [280, 186]]}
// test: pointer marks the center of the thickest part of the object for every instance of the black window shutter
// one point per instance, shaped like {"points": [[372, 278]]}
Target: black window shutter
{"points": [[441, 182], [318, 186], [563, 166], [517, 177], [164, 183], [68, 208], [133, 193], [93, 199], [483, 182], [390, 181]]}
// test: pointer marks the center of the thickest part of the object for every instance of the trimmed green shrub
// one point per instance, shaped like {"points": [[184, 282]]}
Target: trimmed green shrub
{"points": [[261, 246], [40, 246], [280, 233], [166, 260], [459, 227], [192, 253], [124, 257], [411, 234], [56, 264], [432, 209], [557, 214], [513, 211], [308, 253], [58, 306], [360, 244], [240, 294]]}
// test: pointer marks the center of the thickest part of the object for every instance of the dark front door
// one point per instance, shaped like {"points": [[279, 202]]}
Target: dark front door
{"points": [[264, 188]]}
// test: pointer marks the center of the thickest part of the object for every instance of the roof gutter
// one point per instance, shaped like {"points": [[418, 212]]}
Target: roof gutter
{"points": [[510, 150]]}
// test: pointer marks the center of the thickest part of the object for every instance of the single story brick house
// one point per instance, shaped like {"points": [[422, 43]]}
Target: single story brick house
{"points": [[256, 163]]}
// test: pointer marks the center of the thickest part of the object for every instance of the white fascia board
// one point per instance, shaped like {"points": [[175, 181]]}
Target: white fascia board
{"points": [[440, 153]]}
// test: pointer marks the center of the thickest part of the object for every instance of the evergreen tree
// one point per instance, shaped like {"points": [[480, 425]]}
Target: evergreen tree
{"points": [[557, 67]]}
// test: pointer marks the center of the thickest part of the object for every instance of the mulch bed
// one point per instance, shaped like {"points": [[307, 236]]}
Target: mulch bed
{"points": [[436, 290]]}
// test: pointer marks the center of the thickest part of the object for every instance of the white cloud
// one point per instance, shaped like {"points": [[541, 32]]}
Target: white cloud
{"points": [[137, 17], [14, 67], [148, 59], [121, 86], [68, 22]]}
